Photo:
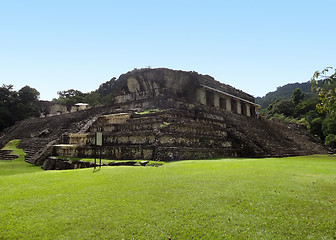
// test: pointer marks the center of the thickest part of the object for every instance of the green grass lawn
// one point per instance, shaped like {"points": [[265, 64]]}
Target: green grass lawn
{"points": [[274, 198], [17, 166]]}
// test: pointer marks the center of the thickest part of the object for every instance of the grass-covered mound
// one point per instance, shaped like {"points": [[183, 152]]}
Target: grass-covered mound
{"points": [[285, 198], [17, 166]]}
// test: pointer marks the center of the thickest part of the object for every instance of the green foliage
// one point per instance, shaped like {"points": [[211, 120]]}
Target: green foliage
{"points": [[285, 107], [316, 127], [326, 90], [287, 120], [285, 93], [92, 98], [149, 111], [306, 106], [330, 140], [12, 145], [297, 96], [102, 96], [164, 124], [17, 166], [70, 97], [274, 198], [17, 106], [329, 125], [302, 110], [107, 100]]}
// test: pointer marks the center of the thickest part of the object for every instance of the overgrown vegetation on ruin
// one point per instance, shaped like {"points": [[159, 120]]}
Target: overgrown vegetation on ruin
{"points": [[17, 166], [275, 198], [315, 110]]}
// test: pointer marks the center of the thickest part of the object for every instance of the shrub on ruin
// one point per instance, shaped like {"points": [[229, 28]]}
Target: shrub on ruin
{"points": [[330, 140]]}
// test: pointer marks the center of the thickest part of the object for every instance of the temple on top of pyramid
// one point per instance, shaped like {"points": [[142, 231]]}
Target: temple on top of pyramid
{"points": [[191, 87]]}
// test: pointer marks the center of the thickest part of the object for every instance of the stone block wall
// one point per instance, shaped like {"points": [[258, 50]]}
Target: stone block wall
{"points": [[143, 136]]}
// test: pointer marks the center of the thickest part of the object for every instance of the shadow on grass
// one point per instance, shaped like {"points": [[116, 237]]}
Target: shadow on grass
{"points": [[96, 169]]}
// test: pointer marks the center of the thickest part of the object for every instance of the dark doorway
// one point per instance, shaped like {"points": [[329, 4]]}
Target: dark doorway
{"points": [[243, 109], [209, 96], [222, 103], [233, 106]]}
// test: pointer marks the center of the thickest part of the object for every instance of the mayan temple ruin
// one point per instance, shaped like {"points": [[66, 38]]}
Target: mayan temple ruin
{"points": [[163, 115]]}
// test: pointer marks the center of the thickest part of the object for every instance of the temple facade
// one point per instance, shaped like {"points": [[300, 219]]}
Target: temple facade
{"points": [[190, 87]]}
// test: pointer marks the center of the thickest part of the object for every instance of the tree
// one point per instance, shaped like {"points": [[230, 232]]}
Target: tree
{"points": [[315, 127], [16, 106], [297, 96], [70, 97], [285, 107], [92, 98], [27, 103], [330, 141], [29, 95], [325, 86], [329, 125], [71, 93]]}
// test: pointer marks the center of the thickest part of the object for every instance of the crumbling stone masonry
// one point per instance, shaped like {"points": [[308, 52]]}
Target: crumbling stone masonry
{"points": [[162, 114]]}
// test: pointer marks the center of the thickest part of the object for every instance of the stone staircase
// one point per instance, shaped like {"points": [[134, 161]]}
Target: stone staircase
{"points": [[38, 135], [265, 138], [180, 131], [7, 155], [32, 147]]}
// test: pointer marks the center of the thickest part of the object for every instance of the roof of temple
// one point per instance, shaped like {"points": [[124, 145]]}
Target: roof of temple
{"points": [[183, 83]]}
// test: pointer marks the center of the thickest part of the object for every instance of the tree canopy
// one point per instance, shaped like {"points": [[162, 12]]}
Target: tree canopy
{"points": [[326, 90], [16, 106]]}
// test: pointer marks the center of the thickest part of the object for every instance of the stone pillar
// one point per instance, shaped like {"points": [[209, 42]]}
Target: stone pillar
{"points": [[228, 105], [239, 107], [248, 112], [201, 97], [216, 100]]}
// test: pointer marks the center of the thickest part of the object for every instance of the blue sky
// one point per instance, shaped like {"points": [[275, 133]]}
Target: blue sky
{"points": [[255, 46]]}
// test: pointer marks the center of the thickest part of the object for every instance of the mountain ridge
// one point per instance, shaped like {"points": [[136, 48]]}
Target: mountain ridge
{"points": [[285, 92]]}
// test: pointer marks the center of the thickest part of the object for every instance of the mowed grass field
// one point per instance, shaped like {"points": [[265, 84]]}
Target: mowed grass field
{"points": [[273, 198]]}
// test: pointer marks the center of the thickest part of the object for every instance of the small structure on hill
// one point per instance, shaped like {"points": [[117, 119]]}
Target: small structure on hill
{"points": [[48, 109], [79, 107]]}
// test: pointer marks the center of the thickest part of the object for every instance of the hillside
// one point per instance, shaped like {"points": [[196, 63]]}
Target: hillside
{"points": [[285, 93]]}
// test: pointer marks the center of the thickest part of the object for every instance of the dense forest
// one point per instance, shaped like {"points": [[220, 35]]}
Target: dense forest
{"points": [[312, 104], [101, 96], [285, 92], [17, 105]]}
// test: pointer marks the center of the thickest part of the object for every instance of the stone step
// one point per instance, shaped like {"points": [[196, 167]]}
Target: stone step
{"points": [[184, 153], [162, 153], [7, 155], [150, 138], [173, 126]]}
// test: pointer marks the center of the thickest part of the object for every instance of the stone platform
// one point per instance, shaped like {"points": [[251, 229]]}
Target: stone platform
{"points": [[162, 136]]}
